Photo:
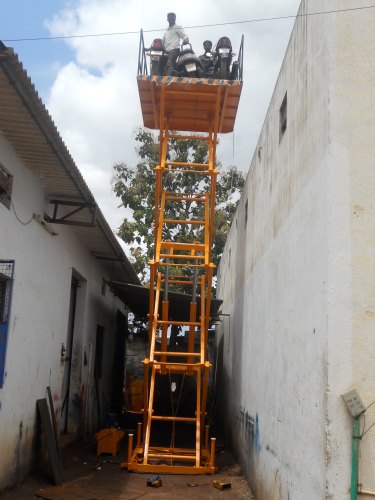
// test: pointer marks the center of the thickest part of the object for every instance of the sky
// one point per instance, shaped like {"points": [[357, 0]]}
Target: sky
{"points": [[88, 84]]}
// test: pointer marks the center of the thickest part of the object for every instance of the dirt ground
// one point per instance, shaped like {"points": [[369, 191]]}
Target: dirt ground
{"points": [[89, 477]]}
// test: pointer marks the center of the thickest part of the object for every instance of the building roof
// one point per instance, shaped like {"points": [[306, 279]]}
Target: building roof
{"points": [[27, 125]]}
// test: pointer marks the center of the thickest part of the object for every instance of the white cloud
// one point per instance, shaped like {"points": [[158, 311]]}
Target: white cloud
{"points": [[94, 99]]}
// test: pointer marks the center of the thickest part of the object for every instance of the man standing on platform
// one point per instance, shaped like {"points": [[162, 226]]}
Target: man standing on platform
{"points": [[171, 42]]}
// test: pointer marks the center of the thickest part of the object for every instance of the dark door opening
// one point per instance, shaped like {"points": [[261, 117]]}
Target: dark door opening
{"points": [[118, 374], [67, 358]]}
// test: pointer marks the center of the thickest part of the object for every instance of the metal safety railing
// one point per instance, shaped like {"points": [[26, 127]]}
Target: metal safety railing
{"points": [[240, 60], [142, 64]]}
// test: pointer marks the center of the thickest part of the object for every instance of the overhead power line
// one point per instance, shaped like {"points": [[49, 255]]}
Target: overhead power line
{"points": [[259, 20]]}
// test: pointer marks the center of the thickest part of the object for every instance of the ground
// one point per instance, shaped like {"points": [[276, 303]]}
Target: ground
{"points": [[89, 477]]}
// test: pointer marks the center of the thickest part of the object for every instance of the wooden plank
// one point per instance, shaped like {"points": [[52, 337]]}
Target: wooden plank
{"points": [[54, 423], [50, 440]]}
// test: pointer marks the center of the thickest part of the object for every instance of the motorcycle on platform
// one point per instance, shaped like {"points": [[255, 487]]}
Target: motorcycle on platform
{"points": [[223, 60], [207, 61], [158, 57], [188, 63]]}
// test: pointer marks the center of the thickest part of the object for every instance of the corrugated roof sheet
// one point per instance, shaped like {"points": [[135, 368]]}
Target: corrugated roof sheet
{"points": [[27, 125]]}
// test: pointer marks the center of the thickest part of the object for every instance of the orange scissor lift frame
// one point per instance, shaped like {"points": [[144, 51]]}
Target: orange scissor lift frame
{"points": [[193, 109]]}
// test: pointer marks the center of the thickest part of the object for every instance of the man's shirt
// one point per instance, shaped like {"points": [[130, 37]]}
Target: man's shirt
{"points": [[172, 37]]}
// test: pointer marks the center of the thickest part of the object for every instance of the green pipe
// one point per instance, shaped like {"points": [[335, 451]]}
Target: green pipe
{"points": [[355, 452]]}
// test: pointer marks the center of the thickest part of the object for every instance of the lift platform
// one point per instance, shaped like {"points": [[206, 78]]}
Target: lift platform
{"points": [[181, 109], [190, 103]]}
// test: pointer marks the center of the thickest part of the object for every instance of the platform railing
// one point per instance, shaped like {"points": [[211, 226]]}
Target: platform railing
{"points": [[142, 64], [240, 60]]}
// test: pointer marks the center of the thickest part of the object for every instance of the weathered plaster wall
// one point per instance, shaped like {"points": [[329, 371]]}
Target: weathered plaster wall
{"points": [[296, 275], [351, 307], [39, 323]]}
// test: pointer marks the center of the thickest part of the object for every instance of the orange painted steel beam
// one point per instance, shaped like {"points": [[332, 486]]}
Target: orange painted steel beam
{"points": [[146, 368], [186, 164], [178, 323], [178, 354], [180, 256], [166, 456], [171, 469], [182, 246], [173, 419], [181, 368], [149, 415], [169, 264]]}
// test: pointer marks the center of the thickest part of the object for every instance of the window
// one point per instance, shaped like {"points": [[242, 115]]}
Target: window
{"points": [[6, 182], [6, 285], [246, 210], [283, 117]]}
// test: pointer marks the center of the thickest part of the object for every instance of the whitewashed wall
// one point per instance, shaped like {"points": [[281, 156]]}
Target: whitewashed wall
{"points": [[298, 277], [39, 323]]}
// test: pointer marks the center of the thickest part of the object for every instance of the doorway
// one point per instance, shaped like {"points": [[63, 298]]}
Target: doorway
{"points": [[68, 423]]}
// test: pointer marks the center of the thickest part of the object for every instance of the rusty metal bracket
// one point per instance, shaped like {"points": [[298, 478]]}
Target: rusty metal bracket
{"points": [[66, 218]]}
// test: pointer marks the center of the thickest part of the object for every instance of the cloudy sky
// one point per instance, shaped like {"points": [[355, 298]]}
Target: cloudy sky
{"points": [[89, 83]]}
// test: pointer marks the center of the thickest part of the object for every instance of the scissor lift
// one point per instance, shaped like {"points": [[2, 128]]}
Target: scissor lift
{"points": [[182, 109]]}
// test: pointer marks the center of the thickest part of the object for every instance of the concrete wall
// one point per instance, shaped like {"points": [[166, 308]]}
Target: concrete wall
{"points": [[44, 265], [297, 271]]}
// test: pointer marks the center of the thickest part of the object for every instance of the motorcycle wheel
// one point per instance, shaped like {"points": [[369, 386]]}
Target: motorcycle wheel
{"points": [[223, 70], [155, 67]]}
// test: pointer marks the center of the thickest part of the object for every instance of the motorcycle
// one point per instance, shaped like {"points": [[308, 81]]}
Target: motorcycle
{"points": [[223, 59], [188, 63], [158, 57], [207, 61]]}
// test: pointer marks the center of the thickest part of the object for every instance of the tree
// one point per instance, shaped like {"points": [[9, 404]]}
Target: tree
{"points": [[135, 187]]}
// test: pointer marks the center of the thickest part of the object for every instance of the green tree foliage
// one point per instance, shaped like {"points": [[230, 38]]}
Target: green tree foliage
{"points": [[135, 187]]}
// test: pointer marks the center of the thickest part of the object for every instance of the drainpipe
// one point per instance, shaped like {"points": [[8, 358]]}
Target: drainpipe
{"points": [[355, 452]]}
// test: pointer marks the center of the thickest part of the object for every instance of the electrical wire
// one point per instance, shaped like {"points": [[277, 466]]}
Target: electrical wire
{"points": [[367, 407], [364, 420], [19, 220], [364, 424], [249, 21], [366, 431]]}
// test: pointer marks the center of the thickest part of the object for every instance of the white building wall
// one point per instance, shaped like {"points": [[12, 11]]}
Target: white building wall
{"points": [[296, 277], [39, 323], [351, 308]]}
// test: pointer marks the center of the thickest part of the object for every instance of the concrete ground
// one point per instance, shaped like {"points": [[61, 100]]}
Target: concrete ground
{"points": [[89, 477]]}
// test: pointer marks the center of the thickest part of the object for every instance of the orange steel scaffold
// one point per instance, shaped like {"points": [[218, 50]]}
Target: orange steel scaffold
{"points": [[199, 110]]}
